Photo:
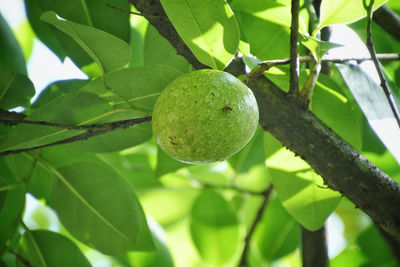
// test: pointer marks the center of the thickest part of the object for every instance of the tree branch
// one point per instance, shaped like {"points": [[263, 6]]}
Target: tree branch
{"points": [[371, 48], [267, 64], [314, 250], [294, 49], [266, 194], [91, 130], [341, 166], [388, 20]]}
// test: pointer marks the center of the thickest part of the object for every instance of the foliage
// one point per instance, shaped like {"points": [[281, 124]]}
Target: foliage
{"points": [[119, 196]]}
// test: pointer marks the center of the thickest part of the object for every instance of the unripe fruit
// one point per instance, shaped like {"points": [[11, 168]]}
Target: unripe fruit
{"points": [[204, 116]]}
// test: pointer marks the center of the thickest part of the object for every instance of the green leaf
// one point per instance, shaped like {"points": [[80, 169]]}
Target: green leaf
{"points": [[208, 28], [138, 33], [160, 257], [15, 89], [11, 203], [140, 86], [99, 208], [108, 51], [56, 89], [269, 10], [277, 234], [93, 13], [166, 164], [252, 154], [11, 54], [41, 180], [375, 106], [214, 228], [350, 257], [267, 40], [375, 249], [74, 109], [47, 249], [342, 11], [317, 47], [113, 141], [45, 32], [301, 191], [331, 105], [157, 50]]}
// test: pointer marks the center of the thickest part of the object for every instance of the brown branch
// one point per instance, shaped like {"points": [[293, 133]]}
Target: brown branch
{"points": [[314, 249], [341, 166], [371, 48], [91, 130], [294, 49], [266, 194], [388, 20]]}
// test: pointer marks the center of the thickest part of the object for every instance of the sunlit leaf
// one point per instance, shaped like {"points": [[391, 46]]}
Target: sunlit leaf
{"points": [[317, 47], [160, 257], [214, 228], [93, 13], [375, 106], [343, 11], [102, 210], [301, 191], [48, 249], [269, 10], [265, 37], [108, 51], [333, 107], [157, 50], [208, 28]]}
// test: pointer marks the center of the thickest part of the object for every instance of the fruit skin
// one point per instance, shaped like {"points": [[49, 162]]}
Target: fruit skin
{"points": [[204, 116]]}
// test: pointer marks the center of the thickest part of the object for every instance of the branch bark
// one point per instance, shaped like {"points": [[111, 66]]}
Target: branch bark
{"points": [[342, 167], [90, 131], [314, 250]]}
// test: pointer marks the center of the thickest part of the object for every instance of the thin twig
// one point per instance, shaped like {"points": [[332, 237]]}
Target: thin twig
{"points": [[229, 187], [123, 10], [260, 212], [371, 48], [20, 257], [308, 87], [90, 132], [267, 64], [294, 49]]}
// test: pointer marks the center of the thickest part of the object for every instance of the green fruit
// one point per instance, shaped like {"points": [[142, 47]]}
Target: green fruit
{"points": [[204, 116]]}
